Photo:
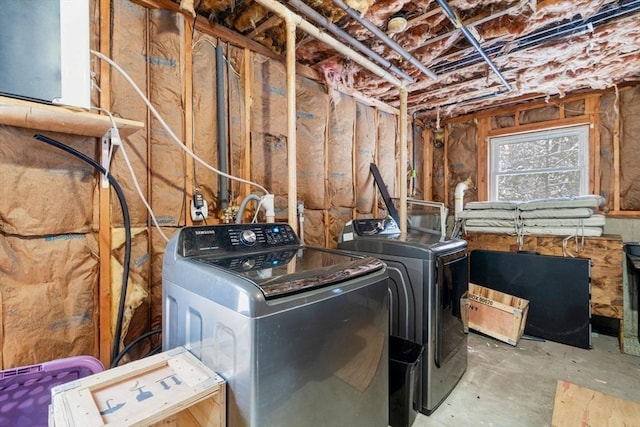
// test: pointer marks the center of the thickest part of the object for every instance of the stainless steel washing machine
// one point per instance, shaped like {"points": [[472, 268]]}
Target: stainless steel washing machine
{"points": [[299, 333], [428, 274]]}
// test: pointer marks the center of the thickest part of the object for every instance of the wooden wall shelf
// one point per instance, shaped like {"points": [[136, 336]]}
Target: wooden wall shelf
{"points": [[44, 117]]}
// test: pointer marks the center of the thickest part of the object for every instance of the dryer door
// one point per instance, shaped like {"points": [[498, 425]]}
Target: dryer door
{"points": [[452, 281]]}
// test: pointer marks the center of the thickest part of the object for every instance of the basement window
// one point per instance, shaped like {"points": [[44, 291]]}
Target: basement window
{"points": [[541, 164]]}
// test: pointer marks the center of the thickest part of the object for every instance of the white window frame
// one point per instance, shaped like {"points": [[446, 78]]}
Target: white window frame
{"points": [[582, 131]]}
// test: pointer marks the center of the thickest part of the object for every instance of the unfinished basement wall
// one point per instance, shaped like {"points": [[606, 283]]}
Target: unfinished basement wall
{"points": [[49, 267], [50, 283], [614, 154]]}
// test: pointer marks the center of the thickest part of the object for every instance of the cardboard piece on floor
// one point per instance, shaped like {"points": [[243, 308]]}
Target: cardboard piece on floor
{"points": [[580, 406]]}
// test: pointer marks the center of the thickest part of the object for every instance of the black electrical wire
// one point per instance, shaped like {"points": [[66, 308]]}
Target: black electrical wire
{"points": [[133, 343], [127, 226]]}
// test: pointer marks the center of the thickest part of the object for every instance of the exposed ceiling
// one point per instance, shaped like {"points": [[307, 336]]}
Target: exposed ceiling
{"points": [[483, 52]]}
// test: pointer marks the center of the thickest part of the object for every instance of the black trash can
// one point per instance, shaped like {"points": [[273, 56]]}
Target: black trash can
{"points": [[404, 372]]}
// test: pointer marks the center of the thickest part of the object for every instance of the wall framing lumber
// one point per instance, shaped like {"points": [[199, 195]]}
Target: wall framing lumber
{"points": [[376, 197], [218, 31], [292, 190], [105, 335], [186, 47], [245, 189], [594, 109], [591, 109], [574, 121], [427, 165], [616, 155], [482, 180]]}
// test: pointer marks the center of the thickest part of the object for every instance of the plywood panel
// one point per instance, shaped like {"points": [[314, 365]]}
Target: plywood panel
{"points": [[579, 406], [606, 262]]}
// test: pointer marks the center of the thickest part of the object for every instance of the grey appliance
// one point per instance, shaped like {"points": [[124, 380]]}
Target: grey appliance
{"points": [[300, 334], [428, 273]]}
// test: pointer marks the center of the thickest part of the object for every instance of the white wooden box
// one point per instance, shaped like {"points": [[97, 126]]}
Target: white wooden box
{"points": [[170, 389]]}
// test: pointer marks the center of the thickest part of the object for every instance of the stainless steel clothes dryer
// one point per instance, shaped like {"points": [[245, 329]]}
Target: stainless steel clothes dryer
{"points": [[428, 274], [299, 333]]}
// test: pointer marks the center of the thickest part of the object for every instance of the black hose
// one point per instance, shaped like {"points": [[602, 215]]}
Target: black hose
{"points": [[127, 227], [132, 344]]}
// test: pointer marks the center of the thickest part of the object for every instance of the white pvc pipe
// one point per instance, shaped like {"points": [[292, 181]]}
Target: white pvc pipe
{"points": [[461, 187]]}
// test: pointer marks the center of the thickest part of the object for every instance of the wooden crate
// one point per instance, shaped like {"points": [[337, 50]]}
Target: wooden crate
{"points": [[170, 389], [499, 315]]}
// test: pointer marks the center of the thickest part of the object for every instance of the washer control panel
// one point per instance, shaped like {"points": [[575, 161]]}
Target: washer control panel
{"points": [[223, 239]]}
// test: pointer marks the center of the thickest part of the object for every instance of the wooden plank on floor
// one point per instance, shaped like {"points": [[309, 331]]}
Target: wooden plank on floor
{"points": [[580, 406]]}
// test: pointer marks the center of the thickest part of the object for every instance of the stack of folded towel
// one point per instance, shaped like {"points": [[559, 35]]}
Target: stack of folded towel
{"points": [[567, 216]]}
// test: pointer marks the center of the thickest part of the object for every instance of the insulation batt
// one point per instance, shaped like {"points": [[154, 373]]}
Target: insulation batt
{"points": [[558, 68]]}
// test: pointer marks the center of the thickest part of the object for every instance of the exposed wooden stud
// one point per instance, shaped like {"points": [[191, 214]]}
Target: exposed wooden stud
{"points": [[354, 174], [427, 165], [482, 158], [104, 236], [358, 96], [248, 102], [326, 202], [616, 154], [533, 102], [186, 47], [292, 186], [272, 21], [402, 211], [376, 156], [445, 170], [592, 109], [623, 214], [573, 121]]}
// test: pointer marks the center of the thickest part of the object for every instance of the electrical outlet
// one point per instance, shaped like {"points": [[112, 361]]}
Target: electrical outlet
{"points": [[199, 209]]}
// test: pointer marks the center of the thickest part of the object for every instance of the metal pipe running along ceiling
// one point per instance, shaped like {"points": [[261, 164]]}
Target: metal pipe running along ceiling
{"points": [[307, 27], [456, 21], [545, 35], [384, 38], [310, 13]]}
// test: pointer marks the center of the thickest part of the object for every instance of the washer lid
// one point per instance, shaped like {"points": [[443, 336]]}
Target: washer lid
{"points": [[289, 271], [370, 236]]}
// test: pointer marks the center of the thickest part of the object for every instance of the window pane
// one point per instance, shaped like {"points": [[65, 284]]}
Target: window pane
{"points": [[530, 186], [540, 154], [541, 164]]}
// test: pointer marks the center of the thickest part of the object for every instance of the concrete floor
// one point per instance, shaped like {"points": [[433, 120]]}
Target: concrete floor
{"points": [[515, 386]]}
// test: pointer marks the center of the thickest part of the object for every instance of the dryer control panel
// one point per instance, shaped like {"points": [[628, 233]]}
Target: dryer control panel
{"points": [[368, 227], [222, 240]]}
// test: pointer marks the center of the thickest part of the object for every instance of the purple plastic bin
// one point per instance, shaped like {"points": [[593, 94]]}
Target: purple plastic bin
{"points": [[25, 392]]}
